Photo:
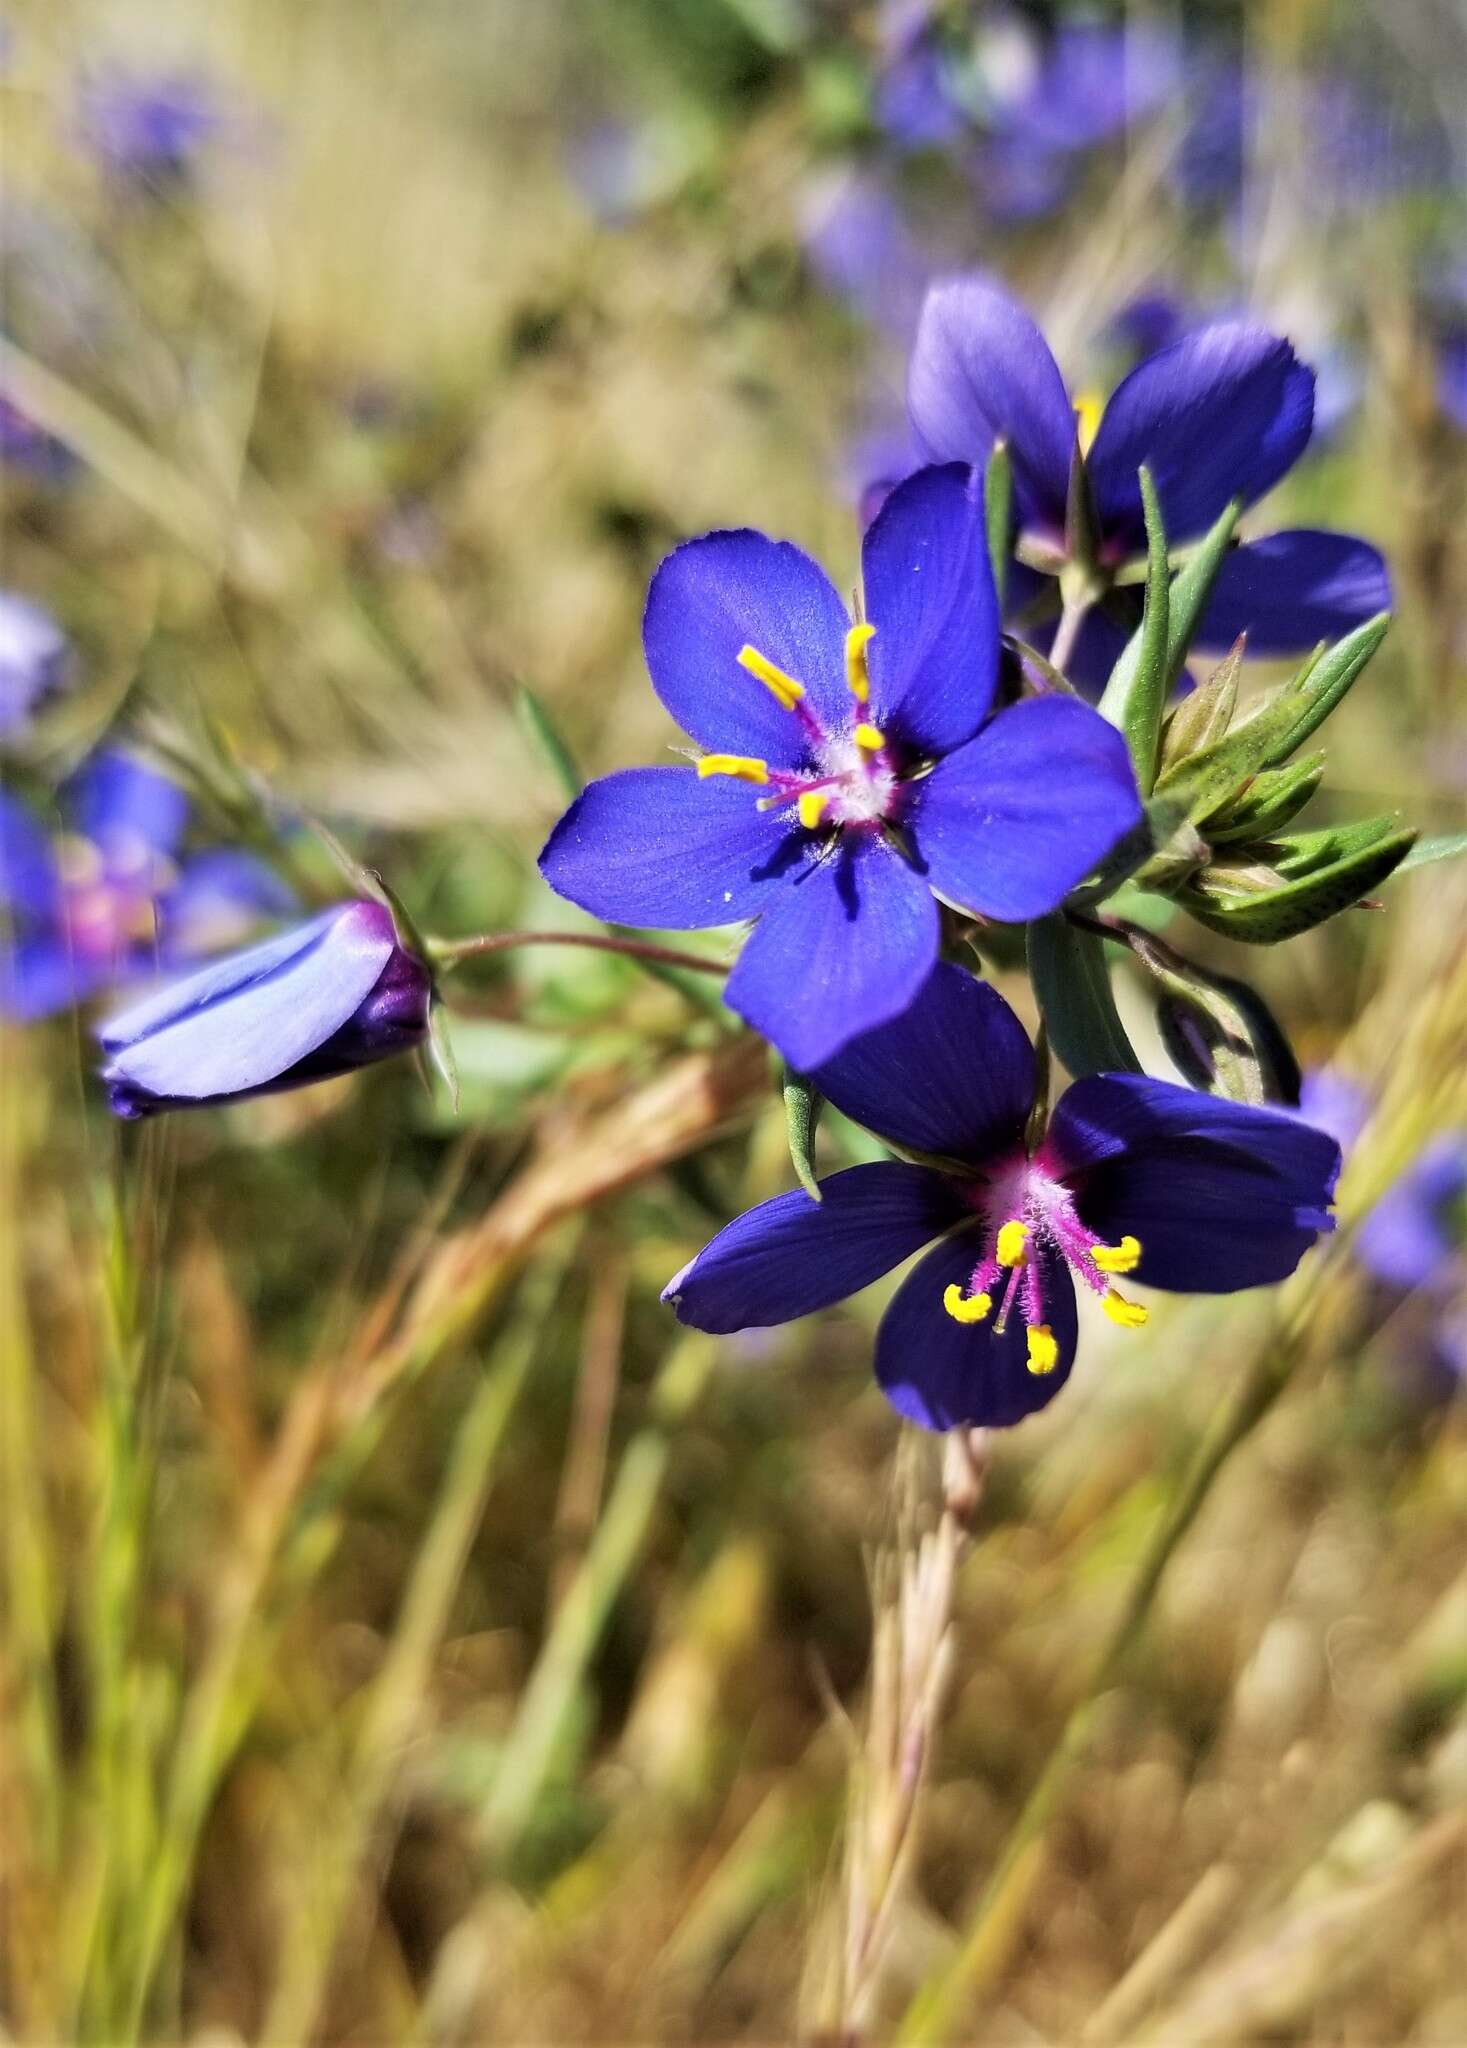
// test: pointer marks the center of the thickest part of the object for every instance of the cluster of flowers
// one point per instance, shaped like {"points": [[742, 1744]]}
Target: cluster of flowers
{"points": [[868, 792]]}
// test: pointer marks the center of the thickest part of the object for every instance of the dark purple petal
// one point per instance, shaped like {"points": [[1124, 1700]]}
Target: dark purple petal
{"points": [[1293, 589], [28, 878], [954, 1073], [929, 593], [792, 1255], [657, 846], [242, 1023], [844, 949], [1413, 1236], [1222, 414], [1009, 824], [128, 809], [949, 1375], [714, 596], [980, 372], [1221, 1195]]}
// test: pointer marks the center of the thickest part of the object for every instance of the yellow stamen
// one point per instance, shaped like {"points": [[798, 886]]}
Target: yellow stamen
{"points": [[858, 678], [868, 737], [1117, 1258], [1088, 407], [965, 1308], [811, 807], [785, 690], [743, 767], [1009, 1250], [1043, 1349], [1129, 1314]]}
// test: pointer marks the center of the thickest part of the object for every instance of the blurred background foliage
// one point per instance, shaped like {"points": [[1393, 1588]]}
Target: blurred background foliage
{"points": [[408, 1633]]}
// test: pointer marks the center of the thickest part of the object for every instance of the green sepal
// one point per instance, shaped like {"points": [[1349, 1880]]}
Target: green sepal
{"points": [[1072, 982], [440, 1050], [1444, 846], [998, 509], [1082, 519], [1135, 696], [802, 1105], [1269, 802], [1308, 878], [1205, 715], [1217, 1029], [545, 737], [1322, 685]]}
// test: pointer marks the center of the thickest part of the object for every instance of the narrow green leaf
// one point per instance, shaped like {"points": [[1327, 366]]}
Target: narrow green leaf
{"points": [[1136, 694], [1205, 715], [1446, 846], [1314, 694], [802, 1105], [1072, 982], [998, 505], [545, 738]]}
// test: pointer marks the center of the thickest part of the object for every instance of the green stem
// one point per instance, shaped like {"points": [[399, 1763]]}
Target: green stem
{"points": [[450, 953]]}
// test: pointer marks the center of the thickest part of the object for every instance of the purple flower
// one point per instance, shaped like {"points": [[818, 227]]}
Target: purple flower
{"points": [[1137, 1177], [34, 659], [861, 246], [849, 773], [25, 446], [105, 899], [1223, 413], [150, 128], [331, 996]]}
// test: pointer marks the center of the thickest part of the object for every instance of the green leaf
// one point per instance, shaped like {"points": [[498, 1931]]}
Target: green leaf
{"points": [[545, 738], [1082, 520], [1323, 684], [440, 1051], [1314, 876], [998, 504], [802, 1105], [1136, 694], [1072, 981], [1446, 846], [1267, 803]]}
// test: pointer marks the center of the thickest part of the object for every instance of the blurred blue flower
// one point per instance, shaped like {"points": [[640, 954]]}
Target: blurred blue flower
{"points": [[1413, 1244], [861, 246], [25, 446], [324, 999], [1180, 1190], [105, 900], [35, 659], [862, 770], [1225, 412], [151, 128]]}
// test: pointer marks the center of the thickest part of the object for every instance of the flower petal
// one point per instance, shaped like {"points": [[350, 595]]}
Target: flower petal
{"points": [[1292, 589], [839, 953], [39, 976], [949, 1375], [712, 597], [1221, 1195], [219, 898], [657, 846], [127, 808], [981, 372], [953, 1074], [28, 878], [240, 1023], [929, 593], [1221, 414], [1409, 1239], [1009, 824], [791, 1256]]}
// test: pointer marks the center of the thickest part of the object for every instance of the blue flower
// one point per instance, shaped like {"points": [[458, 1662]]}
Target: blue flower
{"points": [[150, 128], [25, 446], [1134, 1177], [331, 996], [1223, 413], [34, 659], [105, 900], [849, 771]]}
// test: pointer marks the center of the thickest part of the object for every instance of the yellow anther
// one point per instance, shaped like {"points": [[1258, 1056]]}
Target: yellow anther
{"points": [[1009, 1250], [1088, 408], [1117, 1258], [1043, 1349], [743, 767], [786, 691], [1129, 1314], [965, 1308], [858, 678], [869, 738], [811, 807]]}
